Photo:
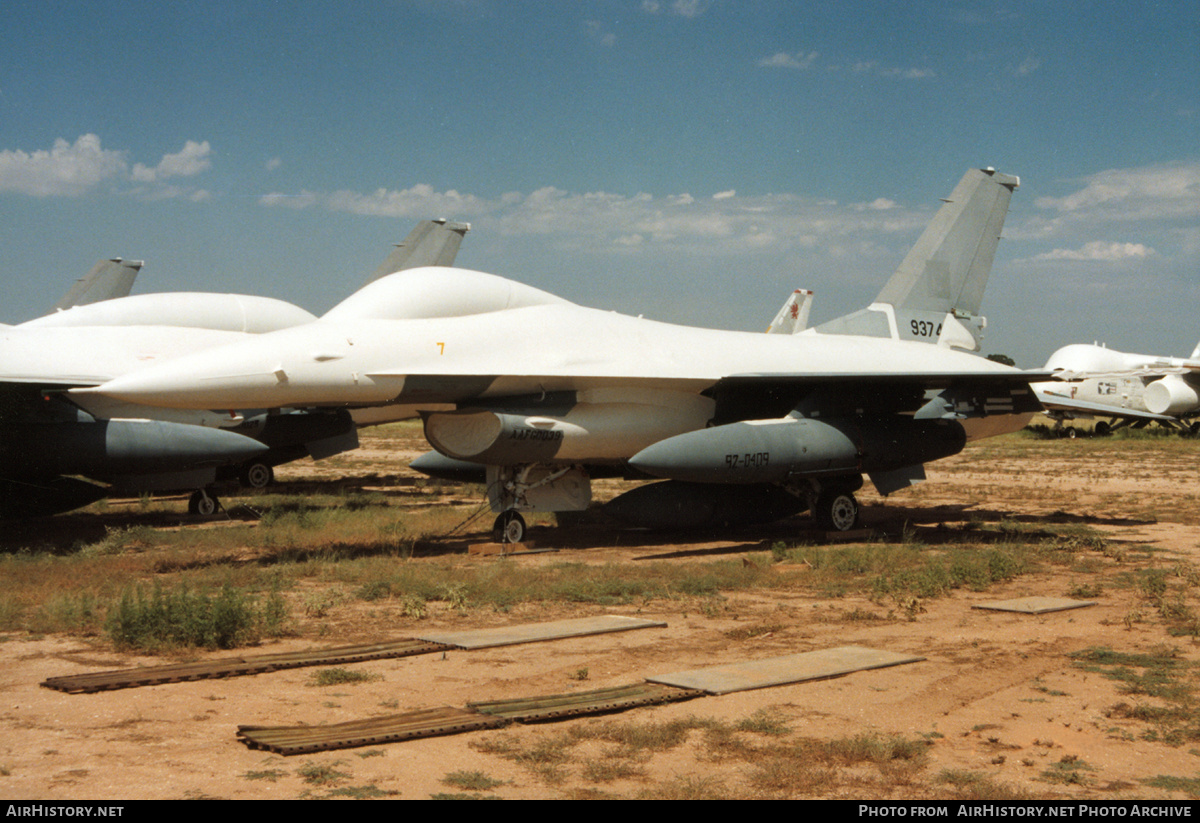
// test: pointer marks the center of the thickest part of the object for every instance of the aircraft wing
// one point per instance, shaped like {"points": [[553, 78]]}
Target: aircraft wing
{"points": [[767, 396], [1061, 402], [430, 243], [107, 279], [1150, 370]]}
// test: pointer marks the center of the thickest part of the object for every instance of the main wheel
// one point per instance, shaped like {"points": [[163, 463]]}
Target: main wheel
{"points": [[202, 503], [509, 527], [836, 511], [1102, 428], [257, 475]]}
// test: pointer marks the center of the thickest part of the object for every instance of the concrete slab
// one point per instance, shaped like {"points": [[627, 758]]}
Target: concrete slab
{"points": [[779, 671], [1034, 605], [535, 632]]}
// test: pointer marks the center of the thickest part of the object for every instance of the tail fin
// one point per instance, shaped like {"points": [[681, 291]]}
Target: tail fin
{"points": [[793, 317], [936, 293], [430, 243], [106, 280]]}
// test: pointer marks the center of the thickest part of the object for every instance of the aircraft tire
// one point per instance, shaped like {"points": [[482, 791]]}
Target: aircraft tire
{"points": [[257, 475], [509, 527], [836, 511], [202, 503], [1102, 429]]}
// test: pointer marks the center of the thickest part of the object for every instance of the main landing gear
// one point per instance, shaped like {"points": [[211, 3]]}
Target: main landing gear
{"points": [[832, 503], [256, 475], [509, 527], [836, 510]]}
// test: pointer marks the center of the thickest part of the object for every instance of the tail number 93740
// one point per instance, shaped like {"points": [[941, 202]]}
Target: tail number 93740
{"points": [[925, 328]]}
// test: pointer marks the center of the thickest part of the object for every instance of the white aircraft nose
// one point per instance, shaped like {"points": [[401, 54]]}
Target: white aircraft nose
{"points": [[175, 387]]}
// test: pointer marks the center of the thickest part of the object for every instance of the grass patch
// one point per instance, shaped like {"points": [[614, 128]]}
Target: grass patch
{"points": [[1068, 771], [1161, 674], [471, 781], [322, 774], [339, 676], [185, 618], [1188, 785]]}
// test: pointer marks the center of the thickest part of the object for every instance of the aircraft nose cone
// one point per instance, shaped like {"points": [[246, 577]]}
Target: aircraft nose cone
{"points": [[186, 386], [663, 459]]}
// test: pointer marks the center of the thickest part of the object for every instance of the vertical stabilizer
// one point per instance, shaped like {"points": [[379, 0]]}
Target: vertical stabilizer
{"points": [[108, 279], [935, 294], [430, 243], [793, 317], [948, 268]]}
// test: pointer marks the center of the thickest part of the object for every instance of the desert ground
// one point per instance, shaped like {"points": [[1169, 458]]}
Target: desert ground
{"points": [[1092, 703]]}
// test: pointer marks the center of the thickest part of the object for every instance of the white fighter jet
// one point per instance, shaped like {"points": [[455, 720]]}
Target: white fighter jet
{"points": [[49, 439], [540, 394], [1132, 389]]}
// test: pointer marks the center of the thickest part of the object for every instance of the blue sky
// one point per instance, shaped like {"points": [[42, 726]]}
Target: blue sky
{"points": [[690, 160]]}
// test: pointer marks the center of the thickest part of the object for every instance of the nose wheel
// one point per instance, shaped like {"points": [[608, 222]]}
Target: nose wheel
{"points": [[509, 527], [202, 503]]}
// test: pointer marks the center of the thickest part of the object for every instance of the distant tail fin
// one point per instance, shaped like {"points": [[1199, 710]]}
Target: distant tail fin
{"points": [[936, 293], [106, 280], [793, 317], [430, 243]]}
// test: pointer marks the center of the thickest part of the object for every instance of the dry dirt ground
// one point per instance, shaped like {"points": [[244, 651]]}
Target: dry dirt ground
{"points": [[998, 696]]}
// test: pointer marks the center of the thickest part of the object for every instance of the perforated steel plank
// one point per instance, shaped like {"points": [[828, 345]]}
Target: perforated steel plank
{"points": [[236, 666], [778, 671], [535, 632], [1034, 605], [290, 740], [597, 701]]}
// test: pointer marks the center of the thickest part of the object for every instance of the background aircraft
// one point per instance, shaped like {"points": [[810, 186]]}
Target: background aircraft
{"points": [[49, 438], [1133, 389], [107, 280], [745, 426]]}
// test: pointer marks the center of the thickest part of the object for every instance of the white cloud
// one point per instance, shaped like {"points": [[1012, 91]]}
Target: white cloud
{"points": [[598, 33], [724, 223], [806, 60], [419, 201], [292, 201], [66, 170], [909, 74], [681, 8], [273, 164], [188, 162], [688, 8], [1027, 66], [1160, 192], [783, 60], [1101, 251], [881, 204]]}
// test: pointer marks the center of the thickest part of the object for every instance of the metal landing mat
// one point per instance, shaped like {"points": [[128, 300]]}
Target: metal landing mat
{"points": [[534, 632], [779, 671], [236, 666], [288, 740], [1035, 605], [408, 726]]}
